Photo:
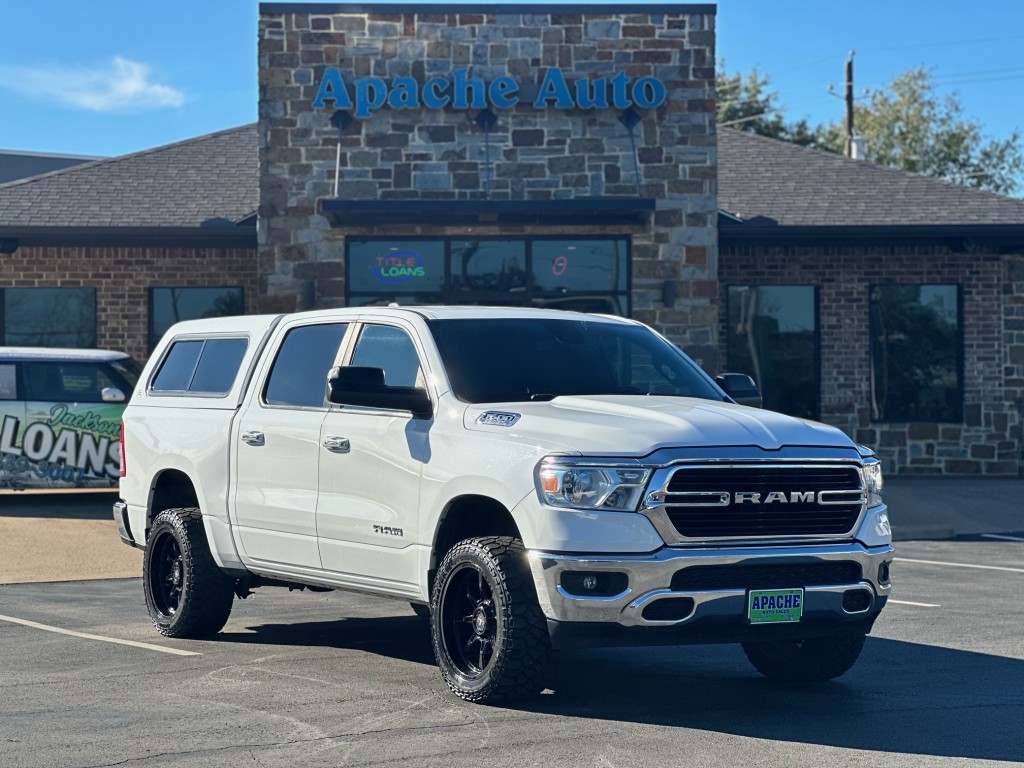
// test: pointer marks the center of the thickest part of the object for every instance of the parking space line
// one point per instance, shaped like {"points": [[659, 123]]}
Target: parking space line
{"points": [[1001, 536], [919, 605], [961, 565], [87, 636]]}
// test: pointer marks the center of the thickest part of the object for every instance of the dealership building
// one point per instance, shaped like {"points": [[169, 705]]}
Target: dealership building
{"points": [[548, 156]]}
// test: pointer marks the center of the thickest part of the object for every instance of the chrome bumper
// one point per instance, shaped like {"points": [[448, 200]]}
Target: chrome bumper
{"points": [[123, 528], [650, 578]]}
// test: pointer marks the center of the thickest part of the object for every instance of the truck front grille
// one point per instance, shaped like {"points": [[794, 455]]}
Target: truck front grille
{"points": [[738, 576], [708, 501]]}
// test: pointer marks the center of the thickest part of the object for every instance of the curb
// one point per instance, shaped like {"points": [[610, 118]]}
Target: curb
{"points": [[921, 533]]}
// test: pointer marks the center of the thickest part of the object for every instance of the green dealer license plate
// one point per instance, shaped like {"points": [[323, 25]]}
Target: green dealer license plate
{"points": [[773, 606]]}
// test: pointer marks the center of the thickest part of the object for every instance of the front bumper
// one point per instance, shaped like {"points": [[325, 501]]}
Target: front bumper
{"points": [[716, 615]]}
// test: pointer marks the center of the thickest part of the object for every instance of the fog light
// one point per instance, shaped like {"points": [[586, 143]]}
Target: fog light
{"points": [[594, 583]]}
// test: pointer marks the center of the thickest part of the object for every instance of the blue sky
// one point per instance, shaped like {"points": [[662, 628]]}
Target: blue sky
{"points": [[111, 77]]}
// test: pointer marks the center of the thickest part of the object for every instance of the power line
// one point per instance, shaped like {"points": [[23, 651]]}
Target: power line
{"points": [[964, 41]]}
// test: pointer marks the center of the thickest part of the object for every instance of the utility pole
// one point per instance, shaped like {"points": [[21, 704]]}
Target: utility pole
{"points": [[849, 107]]}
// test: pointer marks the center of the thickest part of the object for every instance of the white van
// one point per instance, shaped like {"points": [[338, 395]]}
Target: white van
{"points": [[61, 416]]}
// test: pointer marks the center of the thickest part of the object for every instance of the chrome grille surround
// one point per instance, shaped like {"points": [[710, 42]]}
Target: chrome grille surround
{"points": [[660, 500]]}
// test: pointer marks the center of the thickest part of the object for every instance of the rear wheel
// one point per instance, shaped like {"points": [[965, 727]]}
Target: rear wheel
{"points": [[187, 595], [815, 659], [490, 637]]}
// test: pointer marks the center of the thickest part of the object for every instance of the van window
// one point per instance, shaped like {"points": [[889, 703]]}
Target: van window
{"points": [[67, 382], [8, 382], [207, 367]]}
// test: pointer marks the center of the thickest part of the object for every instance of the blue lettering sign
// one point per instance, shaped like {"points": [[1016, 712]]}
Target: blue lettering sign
{"points": [[332, 87], [503, 92], [648, 93], [371, 93], [434, 96], [554, 87], [462, 91], [405, 94], [469, 91]]}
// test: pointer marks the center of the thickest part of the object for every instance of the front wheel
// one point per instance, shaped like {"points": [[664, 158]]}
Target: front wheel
{"points": [[489, 635], [187, 595], [813, 660]]}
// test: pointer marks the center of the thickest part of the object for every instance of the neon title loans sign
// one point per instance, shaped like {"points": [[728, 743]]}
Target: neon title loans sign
{"points": [[461, 91]]}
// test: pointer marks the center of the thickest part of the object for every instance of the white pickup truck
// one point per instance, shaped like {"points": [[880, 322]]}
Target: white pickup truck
{"points": [[527, 479]]}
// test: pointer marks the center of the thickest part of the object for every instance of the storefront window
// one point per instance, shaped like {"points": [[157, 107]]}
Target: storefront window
{"points": [[773, 336], [49, 317], [390, 267], [585, 275], [916, 353], [168, 306], [488, 265]]}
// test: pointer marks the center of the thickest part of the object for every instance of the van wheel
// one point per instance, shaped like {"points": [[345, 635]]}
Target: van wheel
{"points": [[813, 660], [187, 595], [489, 635]]}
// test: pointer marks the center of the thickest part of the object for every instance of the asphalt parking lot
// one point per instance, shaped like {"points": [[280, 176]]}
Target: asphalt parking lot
{"points": [[340, 679]]}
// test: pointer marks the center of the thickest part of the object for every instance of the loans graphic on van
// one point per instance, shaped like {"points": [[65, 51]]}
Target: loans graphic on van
{"points": [[60, 416]]}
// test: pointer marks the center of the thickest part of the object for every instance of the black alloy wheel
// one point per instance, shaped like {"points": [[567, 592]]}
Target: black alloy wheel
{"points": [[187, 595], [490, 637], [468, 622], [167, 574]]}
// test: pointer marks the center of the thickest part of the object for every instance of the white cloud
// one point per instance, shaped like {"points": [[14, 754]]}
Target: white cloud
{"points": [[123, 86]]}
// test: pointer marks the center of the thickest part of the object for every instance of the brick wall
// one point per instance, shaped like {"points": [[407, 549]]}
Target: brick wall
{"points": [[122, 277], [537, 153], [989, 440]]}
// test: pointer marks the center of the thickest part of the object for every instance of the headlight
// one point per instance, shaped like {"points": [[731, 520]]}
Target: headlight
{"points": [[580, 487], [873, 482]]}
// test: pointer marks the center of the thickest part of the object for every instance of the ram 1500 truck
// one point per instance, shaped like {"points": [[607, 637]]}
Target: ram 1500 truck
{"points": [[528, 480]]}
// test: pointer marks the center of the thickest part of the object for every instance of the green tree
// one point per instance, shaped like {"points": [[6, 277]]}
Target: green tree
{"points": [[747, 104], [909, 126]]}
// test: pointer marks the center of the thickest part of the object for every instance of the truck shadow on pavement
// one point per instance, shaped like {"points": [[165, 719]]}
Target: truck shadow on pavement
{"points": [[901, 697]]}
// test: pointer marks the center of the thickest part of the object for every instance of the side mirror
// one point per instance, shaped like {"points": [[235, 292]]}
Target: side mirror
{"points": [[740, 388], [358, 385], [112, 395]]}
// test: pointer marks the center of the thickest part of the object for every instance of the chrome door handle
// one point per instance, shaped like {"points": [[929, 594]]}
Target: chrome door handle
{"points": [[253, 438], [337, 444]]}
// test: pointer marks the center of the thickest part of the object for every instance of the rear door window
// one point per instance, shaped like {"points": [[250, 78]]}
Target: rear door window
{"points": [[299, 375]]}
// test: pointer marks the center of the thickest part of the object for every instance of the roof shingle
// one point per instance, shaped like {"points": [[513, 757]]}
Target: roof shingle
{"points": [[789, 185], [207, 180]]}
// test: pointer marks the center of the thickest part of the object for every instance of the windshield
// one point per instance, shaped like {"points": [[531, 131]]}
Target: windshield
{"points": [[128, 368], [517, 359]]}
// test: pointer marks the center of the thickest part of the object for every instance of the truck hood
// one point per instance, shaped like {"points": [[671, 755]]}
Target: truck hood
{"points": [[635, 425]]}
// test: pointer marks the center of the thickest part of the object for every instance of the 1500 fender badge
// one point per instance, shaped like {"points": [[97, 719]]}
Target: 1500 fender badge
{"points": [[387, 530], [498, 418]]}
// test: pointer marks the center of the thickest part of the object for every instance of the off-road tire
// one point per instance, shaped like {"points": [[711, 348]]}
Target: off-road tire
{"points": [[517, 663], [813, 660], [187, 595]]}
